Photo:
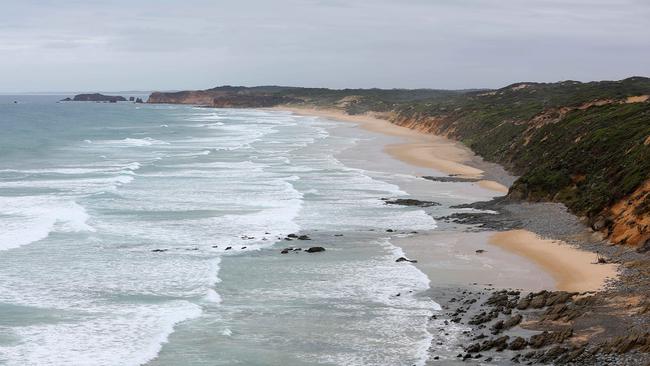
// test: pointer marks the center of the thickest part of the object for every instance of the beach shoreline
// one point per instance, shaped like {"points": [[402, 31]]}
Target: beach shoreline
{"points": [[524, 248], [420, 149], [516, 281], [497, 265]]}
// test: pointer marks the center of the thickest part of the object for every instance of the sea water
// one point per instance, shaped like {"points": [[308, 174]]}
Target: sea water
{"points": [[115, 221]]}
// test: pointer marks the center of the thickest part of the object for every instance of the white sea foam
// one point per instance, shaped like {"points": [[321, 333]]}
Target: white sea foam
{"points": [[147, 141], [132, 166], [76, 186], [30, 219], [212, 296], [240, 179], [69, 170], [115, 336]]}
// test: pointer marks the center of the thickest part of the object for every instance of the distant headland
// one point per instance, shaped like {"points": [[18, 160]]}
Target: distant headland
{"points": [[101, 98]]}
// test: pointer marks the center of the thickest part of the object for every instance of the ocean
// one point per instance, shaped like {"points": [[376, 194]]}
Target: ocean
{"points": [[115, 224]]}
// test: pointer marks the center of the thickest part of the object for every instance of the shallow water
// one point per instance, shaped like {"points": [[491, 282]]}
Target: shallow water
{"points": [[88, 191]]}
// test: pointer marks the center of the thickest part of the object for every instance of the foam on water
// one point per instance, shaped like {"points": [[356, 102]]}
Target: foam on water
{"points": [[212, 296], [143, 223], [119, 336], [29, 219], [147, 141]]}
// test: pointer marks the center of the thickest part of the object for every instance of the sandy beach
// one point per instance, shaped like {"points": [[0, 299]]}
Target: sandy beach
{"points": [[508, 259], [572, 269], [419, 149]]}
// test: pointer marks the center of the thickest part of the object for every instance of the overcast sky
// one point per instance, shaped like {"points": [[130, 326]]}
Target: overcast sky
{"points": [[87, 45]]}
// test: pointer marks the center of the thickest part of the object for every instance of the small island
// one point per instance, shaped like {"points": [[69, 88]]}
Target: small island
{"points": [[95, 97]]}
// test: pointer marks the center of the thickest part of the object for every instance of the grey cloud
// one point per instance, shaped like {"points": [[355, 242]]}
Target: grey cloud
{"points": [[167, 44]]}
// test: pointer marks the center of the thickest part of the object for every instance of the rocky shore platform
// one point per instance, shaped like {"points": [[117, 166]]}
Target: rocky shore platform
{"points": [[507, 326]]}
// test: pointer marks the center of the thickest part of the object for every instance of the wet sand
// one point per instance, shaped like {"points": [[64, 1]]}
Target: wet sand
{"points": [[450, 260], [572, 269]]}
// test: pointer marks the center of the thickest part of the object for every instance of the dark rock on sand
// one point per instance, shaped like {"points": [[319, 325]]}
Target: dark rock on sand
{"points": [[411, 202], [403, 259], [315, 250], [499, 344], [548, 338], [473, 348], [623, 344], [553, 353], [450, 179], [228, 248], [285, 251], [483, 317], [512, 321], [159, 250], [517, 344]]}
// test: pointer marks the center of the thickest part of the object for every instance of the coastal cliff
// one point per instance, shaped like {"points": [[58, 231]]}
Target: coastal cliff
{"points": [[225, 97], [586, 145]]}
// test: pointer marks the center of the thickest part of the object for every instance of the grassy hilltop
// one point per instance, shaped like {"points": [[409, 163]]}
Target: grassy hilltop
{"points": [[586, 145]]}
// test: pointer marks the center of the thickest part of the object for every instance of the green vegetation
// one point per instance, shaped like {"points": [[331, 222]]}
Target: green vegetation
{"points": [[586, 156], [609, 154]]}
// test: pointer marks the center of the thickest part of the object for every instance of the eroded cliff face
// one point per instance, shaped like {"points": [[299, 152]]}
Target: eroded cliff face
{"points": [[628, 218]]}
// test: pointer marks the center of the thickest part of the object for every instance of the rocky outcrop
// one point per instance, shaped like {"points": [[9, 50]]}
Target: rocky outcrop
{"points": [[315, 250], [567, 328], [404, 259], [95, 97], [410, 202]]}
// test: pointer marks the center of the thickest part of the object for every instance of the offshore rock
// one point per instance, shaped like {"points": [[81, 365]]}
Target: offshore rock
{"points": [[315, 250]]}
